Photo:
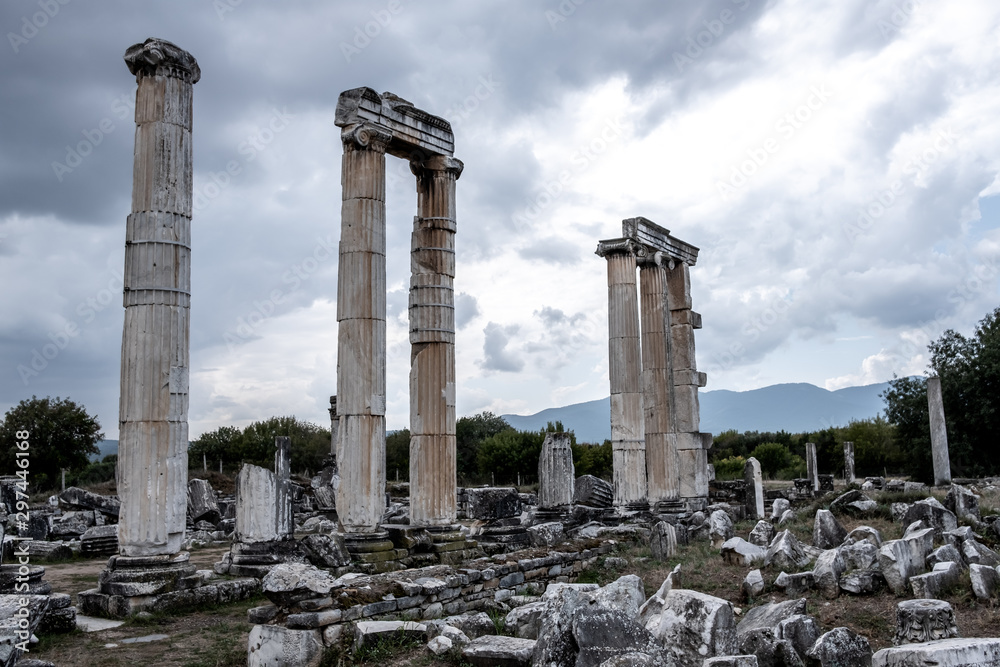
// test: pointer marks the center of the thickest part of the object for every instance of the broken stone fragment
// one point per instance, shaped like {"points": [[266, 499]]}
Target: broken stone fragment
{"points": [[841, 648], [786, 552], [827, 531]]}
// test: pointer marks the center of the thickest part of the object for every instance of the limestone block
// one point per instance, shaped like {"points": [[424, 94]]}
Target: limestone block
{"points": [[493, 650], [493, 503], [202, 504], [256, 502], [694, 626], [720, 528], [593, 492], [800, 630], [827, 531], [762, 534], [737, 551], [980, 652], [754, 489], [974, 552], [686, 408], [864, 533], [985, 581], [944, 554], [901, 559], [770, 615], [602, 633], [75, 497], [862, 582], [326, 551], [827, 571], [795, 584], [752, 586], [663, 540], [439, 645], [277, 646], [731, 661], [692, 466], [841, 648], [963, 503], [779, 507], [861, 555], [368, 632], [939, 432], [547, 534], [933, 584], [768, 649], [649, 612], [555, 472], [526, 620], [933, 513], [786, 552], [287, 584]]}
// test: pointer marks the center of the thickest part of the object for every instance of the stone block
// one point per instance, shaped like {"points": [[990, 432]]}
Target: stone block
{"points": [[762, 534], [964, 504], [796, 583], [593, 492], [786, 552], [737, 551], [277, 646], [663, 540], [841, 648], [827, 572], [924, 620], [985, 581], [720, 528], [980, 652], [499, 651], [492, 503], [827, 531], [367, 632]]}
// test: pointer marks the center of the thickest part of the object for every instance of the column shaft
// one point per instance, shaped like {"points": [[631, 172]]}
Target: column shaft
{"points": [[153, 408], [624, 368], [361, 330], [657, 385], [433, 484]]}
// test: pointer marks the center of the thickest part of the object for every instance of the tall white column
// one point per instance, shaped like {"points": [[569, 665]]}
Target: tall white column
{"points": [[939, 433], [153, 409], [433, 485], [628, 447], [361, 331]]}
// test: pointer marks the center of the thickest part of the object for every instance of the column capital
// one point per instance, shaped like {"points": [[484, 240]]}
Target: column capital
{"points": [[366, 135], [438, 163], [160, 57], [621, 247]]}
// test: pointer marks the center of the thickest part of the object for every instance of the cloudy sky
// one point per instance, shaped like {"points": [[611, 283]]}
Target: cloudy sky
{"points": [[836, 162]]}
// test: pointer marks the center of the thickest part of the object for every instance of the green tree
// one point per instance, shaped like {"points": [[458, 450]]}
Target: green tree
{"points": [[310, 443], [397, 455], [470, 432], [223, 444], [59, 433], [593, 460], [506, 454], [772, 456], [875, 447], [906, 408]]}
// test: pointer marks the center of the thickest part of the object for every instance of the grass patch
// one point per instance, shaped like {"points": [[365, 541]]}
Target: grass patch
{"points": [[386, 648]]}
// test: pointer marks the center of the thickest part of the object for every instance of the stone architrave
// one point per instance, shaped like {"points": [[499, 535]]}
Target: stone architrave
{"points": [[555, 472], [373, 125], [849, 477], [939, 433], [153, 431], [433, 486], [663, 477], [754, 489], [628, 448], [812, 469]]}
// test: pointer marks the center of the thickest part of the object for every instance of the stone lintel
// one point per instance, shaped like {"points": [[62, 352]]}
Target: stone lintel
{"points": [[158, 56], [658, 239], [416, 134]]}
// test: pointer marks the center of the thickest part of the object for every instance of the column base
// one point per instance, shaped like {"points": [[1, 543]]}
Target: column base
{"points": [[503, 535], [255, 559], [9, 582], [373, 552], [549, 514]]}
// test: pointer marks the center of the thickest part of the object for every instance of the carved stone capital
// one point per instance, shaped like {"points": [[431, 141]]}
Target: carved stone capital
{"points": [[650, 258], [366, 136], [445, 163], [160, 57], [621, 246]]}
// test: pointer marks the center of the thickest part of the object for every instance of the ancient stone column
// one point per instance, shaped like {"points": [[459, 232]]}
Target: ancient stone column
{"points": [[924, 620], [849, 462], [283, 524], [361, 329], [334, 427], [433, 485], [754, 489], [939, 433], [555, 472], [692, 452], [624, 368], [153, 432], [812, 469], [657, 386]]}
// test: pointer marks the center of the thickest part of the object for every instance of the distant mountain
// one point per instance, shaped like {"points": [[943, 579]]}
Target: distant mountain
{"points": [[795, 408], [106, 447]]}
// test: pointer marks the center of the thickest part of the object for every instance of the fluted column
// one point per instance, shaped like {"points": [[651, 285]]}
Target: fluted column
{"points": [[624, 368], [433, 483], [361, 329], [657, 383], [153, 408]]}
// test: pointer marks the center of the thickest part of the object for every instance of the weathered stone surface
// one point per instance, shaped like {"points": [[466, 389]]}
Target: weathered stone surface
{"points": [[694, 626], [663, 540], [555, 472], [800, 630], [841, 648], [526, 620], [795, 584], [277, 646], [546, 534], [649, 612], [827, 531], [440, 645], [202, 504], [367, 632], [861, 555], [720, 528], [944, 554], [499, 651], [770, 615], [827, 571], [980, 652], [779, 507], [768, 649], [786, 517], [939, 432], [752, 586], [602, 633], [985, 581], [754, 489], [737, 551], [762, 534], [593, 492], [99, 541], [933, 513], [963, 503], [86, 500], [732, 661], [634, 659], [901, 559], [898, 511], [924, 620], [933, 584], [786, 552], [862, 582], [866, 533], [493, 503], [975, 552], [289, 583]]}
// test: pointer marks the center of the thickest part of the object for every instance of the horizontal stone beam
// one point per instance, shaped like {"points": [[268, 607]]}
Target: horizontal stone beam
{"points": [[650, 234], [416, 134]]}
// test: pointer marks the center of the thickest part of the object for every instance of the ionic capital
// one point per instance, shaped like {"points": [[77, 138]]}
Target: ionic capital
{"points": [[369, 136], [160, 57], [621, 247], [444, 163]]}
